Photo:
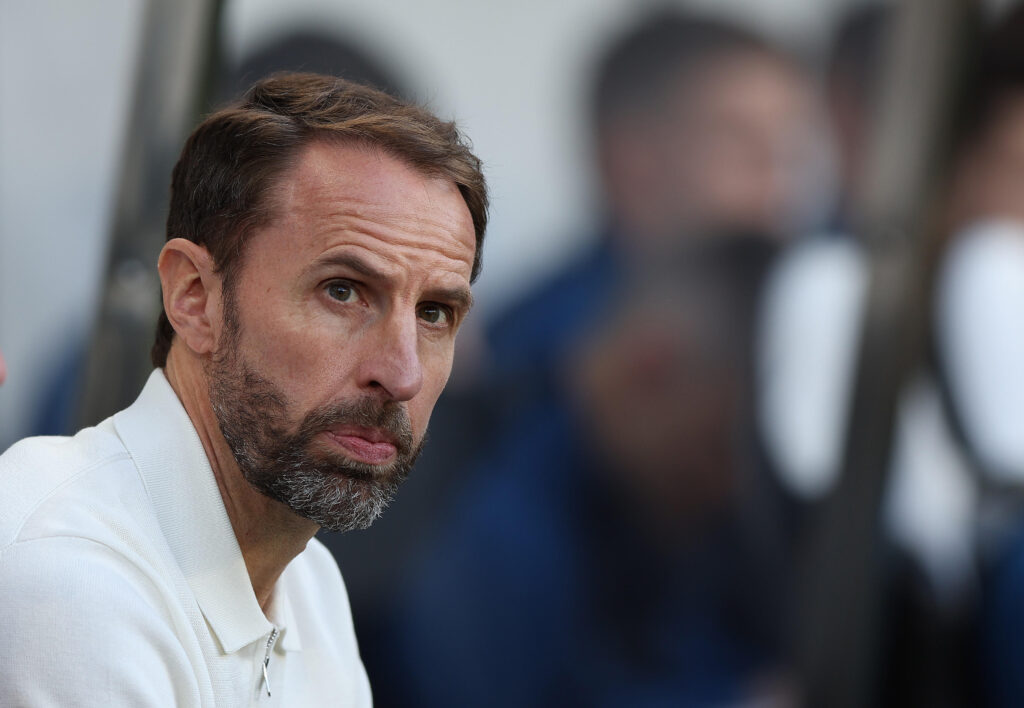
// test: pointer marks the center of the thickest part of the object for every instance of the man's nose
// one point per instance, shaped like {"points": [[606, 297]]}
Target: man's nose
{"points": [[392, 359]]}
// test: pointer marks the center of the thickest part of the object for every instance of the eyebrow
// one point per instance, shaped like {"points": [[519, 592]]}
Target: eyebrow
{"points": [[352, 262], [460, 297]]}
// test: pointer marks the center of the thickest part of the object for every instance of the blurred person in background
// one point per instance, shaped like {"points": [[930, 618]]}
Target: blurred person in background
{"points": [[311, 49], [603, 552], [699, 126], [621, 548]]}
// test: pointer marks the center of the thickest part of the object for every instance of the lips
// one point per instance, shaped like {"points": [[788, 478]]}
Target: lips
{"points": [[370, 445]]}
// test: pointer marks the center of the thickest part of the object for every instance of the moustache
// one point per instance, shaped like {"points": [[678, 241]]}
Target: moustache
{"points": [[389, 417]]}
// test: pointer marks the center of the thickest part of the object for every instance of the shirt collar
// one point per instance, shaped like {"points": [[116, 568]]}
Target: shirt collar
{"points": [[163, 443], [279, 609]]}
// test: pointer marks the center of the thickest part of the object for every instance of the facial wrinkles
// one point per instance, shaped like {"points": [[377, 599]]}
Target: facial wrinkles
{"points": [[405, 266], [447, 216], [359, 194], [406, 240], [414, 254], [406, 277]]}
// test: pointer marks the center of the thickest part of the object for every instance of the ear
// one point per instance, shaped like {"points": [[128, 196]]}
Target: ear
{"points": [[191, 293]]}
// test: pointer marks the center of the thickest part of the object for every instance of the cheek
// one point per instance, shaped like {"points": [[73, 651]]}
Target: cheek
{"points": [[303, 359]]}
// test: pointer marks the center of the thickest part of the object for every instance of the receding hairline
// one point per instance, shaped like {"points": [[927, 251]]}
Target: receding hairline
{"points": [[273, 200]]}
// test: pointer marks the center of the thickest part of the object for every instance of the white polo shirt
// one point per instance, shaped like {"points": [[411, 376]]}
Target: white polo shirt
{"points": [[122, 583]]}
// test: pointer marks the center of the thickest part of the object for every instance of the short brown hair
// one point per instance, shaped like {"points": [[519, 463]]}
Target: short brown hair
{"points": [[220, 185]]}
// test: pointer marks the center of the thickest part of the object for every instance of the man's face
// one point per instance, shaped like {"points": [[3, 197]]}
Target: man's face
{"points": [[339, 331], [736, 149]]}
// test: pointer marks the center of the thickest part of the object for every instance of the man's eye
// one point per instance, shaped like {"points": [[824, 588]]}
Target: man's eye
{"points": [[435, 314], [341, 291]]}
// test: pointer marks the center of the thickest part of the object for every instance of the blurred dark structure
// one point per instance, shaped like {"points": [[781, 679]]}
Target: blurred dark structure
{"points": [[178, 64], [853, 75], [843, 599]]}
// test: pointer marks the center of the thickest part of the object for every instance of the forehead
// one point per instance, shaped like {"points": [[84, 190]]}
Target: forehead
{"points": [[348, 192], [754, 75]]}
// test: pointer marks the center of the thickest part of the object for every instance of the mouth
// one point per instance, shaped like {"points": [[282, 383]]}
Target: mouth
{"points": [[370, 445]]}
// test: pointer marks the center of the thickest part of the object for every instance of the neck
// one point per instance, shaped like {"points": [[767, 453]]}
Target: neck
{"points": [[269, 534]]}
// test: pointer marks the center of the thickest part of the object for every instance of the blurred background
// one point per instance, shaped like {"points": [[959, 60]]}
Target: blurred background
{"points": [[738, 419]]}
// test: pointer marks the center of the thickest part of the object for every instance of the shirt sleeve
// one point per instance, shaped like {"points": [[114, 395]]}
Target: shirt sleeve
{"points": [[81, 625]]}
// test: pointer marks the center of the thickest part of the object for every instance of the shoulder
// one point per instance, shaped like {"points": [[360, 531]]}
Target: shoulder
{"points": [[117, 644], [71, 575], [41, 473]]}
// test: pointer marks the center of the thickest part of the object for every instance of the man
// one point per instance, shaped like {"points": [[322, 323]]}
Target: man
{"points": [[699, 127], [322, 238]]}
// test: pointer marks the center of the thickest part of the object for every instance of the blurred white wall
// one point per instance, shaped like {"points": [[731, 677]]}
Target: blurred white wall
{"points": [[511, 73]]}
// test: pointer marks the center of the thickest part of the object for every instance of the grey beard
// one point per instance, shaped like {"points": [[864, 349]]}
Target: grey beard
{"points": [[327, 488]]}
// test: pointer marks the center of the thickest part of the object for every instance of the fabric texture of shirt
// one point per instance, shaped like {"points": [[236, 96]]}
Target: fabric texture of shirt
{"points": [[122, 582]]}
